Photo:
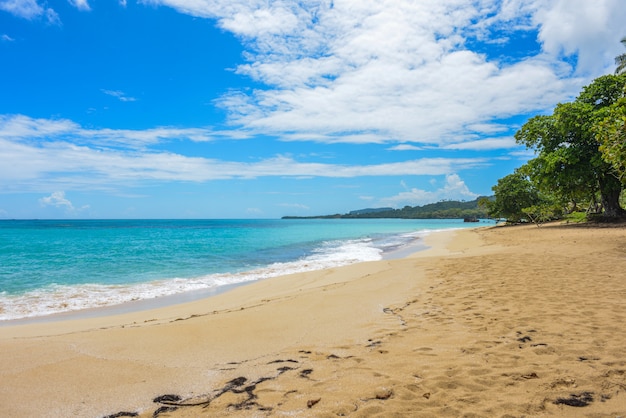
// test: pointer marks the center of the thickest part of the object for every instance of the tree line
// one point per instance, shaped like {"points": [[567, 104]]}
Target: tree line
{"points": [[580, 158], [445, 209]]}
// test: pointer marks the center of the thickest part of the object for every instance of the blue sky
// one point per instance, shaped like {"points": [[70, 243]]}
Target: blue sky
{"points": [[259, 109]]}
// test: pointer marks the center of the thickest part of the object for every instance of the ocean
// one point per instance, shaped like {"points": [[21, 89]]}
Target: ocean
{"points": [[55, 266]]}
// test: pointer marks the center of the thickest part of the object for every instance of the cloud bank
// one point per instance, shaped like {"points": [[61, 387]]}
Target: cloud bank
{"points": [[397, 70], [414, 75], [50, 154]]}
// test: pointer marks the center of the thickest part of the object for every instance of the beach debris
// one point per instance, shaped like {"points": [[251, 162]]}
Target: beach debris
{"points": [[283, 361], [305, 373], [167, 399], [381, 395], [426, 395], [239, 385], [163, 410], [563, 382], [123, 414], [576, 400], [284, 369], [373, 343], [312, 402]]}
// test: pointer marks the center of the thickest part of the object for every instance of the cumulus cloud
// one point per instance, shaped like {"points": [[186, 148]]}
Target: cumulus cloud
{"points": [[454, 189], [58, 200], [582, 28], [399, 71], [392, 70], [80, 4], [356, 71], [30, 9]]}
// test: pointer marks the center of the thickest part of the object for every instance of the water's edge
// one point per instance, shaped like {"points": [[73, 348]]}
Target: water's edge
{"points": [[179, 298]]}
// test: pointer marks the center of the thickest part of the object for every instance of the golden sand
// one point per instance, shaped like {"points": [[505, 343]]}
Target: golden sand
{"points": [[491, 322]]}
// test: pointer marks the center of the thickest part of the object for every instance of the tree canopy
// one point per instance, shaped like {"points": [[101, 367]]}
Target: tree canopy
{"points": [[580, 156], [513, 193], [620, 60], [611, 133], [446, 209]]}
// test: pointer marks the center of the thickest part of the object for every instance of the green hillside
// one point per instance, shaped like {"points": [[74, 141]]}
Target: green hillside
{"points": [[446, 209]]}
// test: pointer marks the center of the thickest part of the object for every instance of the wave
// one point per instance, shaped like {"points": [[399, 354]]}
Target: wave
{"points": [[56, 299]]}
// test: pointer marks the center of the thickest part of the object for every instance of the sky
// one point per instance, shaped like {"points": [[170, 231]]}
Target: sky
{"points": [[266, 108]]}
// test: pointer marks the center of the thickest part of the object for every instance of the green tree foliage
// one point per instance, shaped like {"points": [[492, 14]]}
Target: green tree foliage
{"points": [[611, 133], [513, 194], [546, 210], [569, 164], [446, 209], [620, 60], [517, 199]]}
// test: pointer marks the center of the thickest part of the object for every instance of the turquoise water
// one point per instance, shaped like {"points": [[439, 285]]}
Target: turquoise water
{"points": [[52, 266]]}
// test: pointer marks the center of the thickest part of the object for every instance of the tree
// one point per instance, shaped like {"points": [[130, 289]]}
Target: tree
{"points": [[513, 194], [620, 60], [558, 171], [569, 163], [611, 133], [544, 212]]}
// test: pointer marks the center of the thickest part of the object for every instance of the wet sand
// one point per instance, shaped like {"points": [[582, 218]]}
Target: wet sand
{"points": [[493, 322]]}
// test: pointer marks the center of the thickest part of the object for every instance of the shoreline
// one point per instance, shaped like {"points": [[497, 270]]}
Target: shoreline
{"points": [[418, 245], [486, 322], [167, 307]]}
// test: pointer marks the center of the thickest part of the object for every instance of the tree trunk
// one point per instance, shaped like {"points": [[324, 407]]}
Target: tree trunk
{"points": [[610, 190]]}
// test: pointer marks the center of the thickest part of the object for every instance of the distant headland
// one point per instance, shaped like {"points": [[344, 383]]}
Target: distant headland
{"points": [[445, 209]]}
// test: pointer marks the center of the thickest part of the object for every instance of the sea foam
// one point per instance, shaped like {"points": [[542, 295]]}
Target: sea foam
{"points": [[56, 299]]}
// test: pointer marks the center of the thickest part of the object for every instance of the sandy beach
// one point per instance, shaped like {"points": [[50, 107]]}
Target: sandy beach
{"points": [[490, 322]]}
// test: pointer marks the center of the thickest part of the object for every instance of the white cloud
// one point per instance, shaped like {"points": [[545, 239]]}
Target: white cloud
{"points": [[404, 147], [119, 95], [57, 162], [454, 189], [294, 206], [20, 126], [78, 156], [58, 200], [391, 70], [24, 128], [7, 38], [80, 4], [591, 30], [484, 144], [29, 9]]}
